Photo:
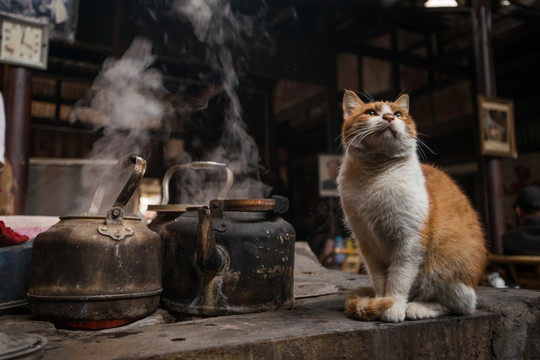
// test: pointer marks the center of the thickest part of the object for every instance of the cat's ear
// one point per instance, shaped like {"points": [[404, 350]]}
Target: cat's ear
{"points": [[351, 102], [403, 101]]}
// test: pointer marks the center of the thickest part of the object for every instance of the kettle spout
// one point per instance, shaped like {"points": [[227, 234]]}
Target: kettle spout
{"points": [[210, 256]]}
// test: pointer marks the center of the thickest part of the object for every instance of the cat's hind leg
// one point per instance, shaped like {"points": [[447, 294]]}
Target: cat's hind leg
{"points": [[461, 299], [457, 299]]}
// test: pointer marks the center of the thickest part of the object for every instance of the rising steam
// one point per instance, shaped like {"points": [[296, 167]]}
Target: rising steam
{"points": [[220, 30], [127, 93], [126, 100]]}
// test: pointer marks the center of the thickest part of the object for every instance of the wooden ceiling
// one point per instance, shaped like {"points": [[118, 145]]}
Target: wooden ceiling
{"points": [[298, 39]]}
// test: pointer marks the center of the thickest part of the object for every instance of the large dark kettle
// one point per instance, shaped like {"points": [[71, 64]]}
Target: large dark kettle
{"points": [[236, 256], [95, 272]]}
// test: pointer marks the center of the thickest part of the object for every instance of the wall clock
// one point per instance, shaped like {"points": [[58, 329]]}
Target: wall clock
{"points": [[24, 41]]}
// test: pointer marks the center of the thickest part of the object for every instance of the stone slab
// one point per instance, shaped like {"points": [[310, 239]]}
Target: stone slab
{"points": [[505, 327]]}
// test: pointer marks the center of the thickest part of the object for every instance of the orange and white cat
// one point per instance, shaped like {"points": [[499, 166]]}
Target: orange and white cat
{"points": [[418, 233]]}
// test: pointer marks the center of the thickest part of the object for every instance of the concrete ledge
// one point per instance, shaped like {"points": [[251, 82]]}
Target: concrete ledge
{"points": [[506, 327], [516, 335]]}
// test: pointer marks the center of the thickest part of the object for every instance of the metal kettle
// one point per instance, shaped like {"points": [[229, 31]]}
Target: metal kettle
{"points": [[233, 257], [94, 272]]}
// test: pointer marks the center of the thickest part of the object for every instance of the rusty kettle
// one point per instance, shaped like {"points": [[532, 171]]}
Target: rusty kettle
{"points": [[94, 272], [235, 256]]}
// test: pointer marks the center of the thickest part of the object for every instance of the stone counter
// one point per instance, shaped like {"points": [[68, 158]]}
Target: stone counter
{"points": [[507, 326]]}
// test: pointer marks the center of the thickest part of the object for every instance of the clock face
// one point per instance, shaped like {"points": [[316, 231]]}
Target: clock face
{"points": [[23, 43]]}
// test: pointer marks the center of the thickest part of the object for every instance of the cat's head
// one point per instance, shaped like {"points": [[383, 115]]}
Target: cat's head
{"points": [[380, 127]]}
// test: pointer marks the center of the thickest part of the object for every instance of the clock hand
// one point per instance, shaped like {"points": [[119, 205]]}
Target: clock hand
{"points": [[28, 45], [23, 33]]}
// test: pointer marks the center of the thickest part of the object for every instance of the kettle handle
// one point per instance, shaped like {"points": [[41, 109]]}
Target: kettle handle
{"points": [[195, 165], [277, 205], [116, 214]]}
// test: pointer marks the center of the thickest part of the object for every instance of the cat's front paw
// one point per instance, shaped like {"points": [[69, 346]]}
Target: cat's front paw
{"points": [[395, 314]]}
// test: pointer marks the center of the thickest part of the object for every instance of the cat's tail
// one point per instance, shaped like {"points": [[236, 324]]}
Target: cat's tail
{"points": [[363, 305]]}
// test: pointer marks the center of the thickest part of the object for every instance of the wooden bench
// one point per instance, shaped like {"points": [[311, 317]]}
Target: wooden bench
{"points": [[515, 263]]}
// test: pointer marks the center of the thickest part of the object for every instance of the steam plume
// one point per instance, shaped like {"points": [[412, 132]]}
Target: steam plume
{"points": [[220, 30], [125, 101]]}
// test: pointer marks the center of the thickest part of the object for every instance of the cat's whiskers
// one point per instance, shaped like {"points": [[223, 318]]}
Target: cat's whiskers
{"points": [[420, 148], [338, 139], [423, 144], [360, 136], [368, 96], [421, 154]]}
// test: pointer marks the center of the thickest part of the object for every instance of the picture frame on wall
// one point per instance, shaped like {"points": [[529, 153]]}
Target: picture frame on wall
{"points": [[328, 172], [497, 131]]}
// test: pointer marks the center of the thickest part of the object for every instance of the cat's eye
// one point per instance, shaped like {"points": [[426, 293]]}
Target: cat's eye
{"points": [[370, 112], [398, 114]]}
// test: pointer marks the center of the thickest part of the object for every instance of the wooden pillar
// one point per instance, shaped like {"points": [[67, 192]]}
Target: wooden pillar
{"points": [[334, 116], [18, 106], [490, 166], [333, 129]]}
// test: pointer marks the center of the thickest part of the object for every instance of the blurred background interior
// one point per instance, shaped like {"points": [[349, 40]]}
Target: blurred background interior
{"points": [[284, 70]]}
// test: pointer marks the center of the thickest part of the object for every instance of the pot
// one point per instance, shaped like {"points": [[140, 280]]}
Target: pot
{"points": [[97, 272], [237, 256], [167, 212]]}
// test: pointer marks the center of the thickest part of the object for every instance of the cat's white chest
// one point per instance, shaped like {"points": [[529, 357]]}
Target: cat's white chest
{"points": [[386, 206]]}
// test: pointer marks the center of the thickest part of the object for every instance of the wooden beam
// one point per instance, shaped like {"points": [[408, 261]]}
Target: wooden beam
{"points": [[18, 108]]}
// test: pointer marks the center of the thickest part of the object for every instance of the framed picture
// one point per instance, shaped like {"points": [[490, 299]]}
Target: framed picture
{"points": [[328, 173], [496, 120]]}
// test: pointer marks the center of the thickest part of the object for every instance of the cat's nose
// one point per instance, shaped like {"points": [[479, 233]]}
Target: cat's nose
{"points": [[388, 117]]}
